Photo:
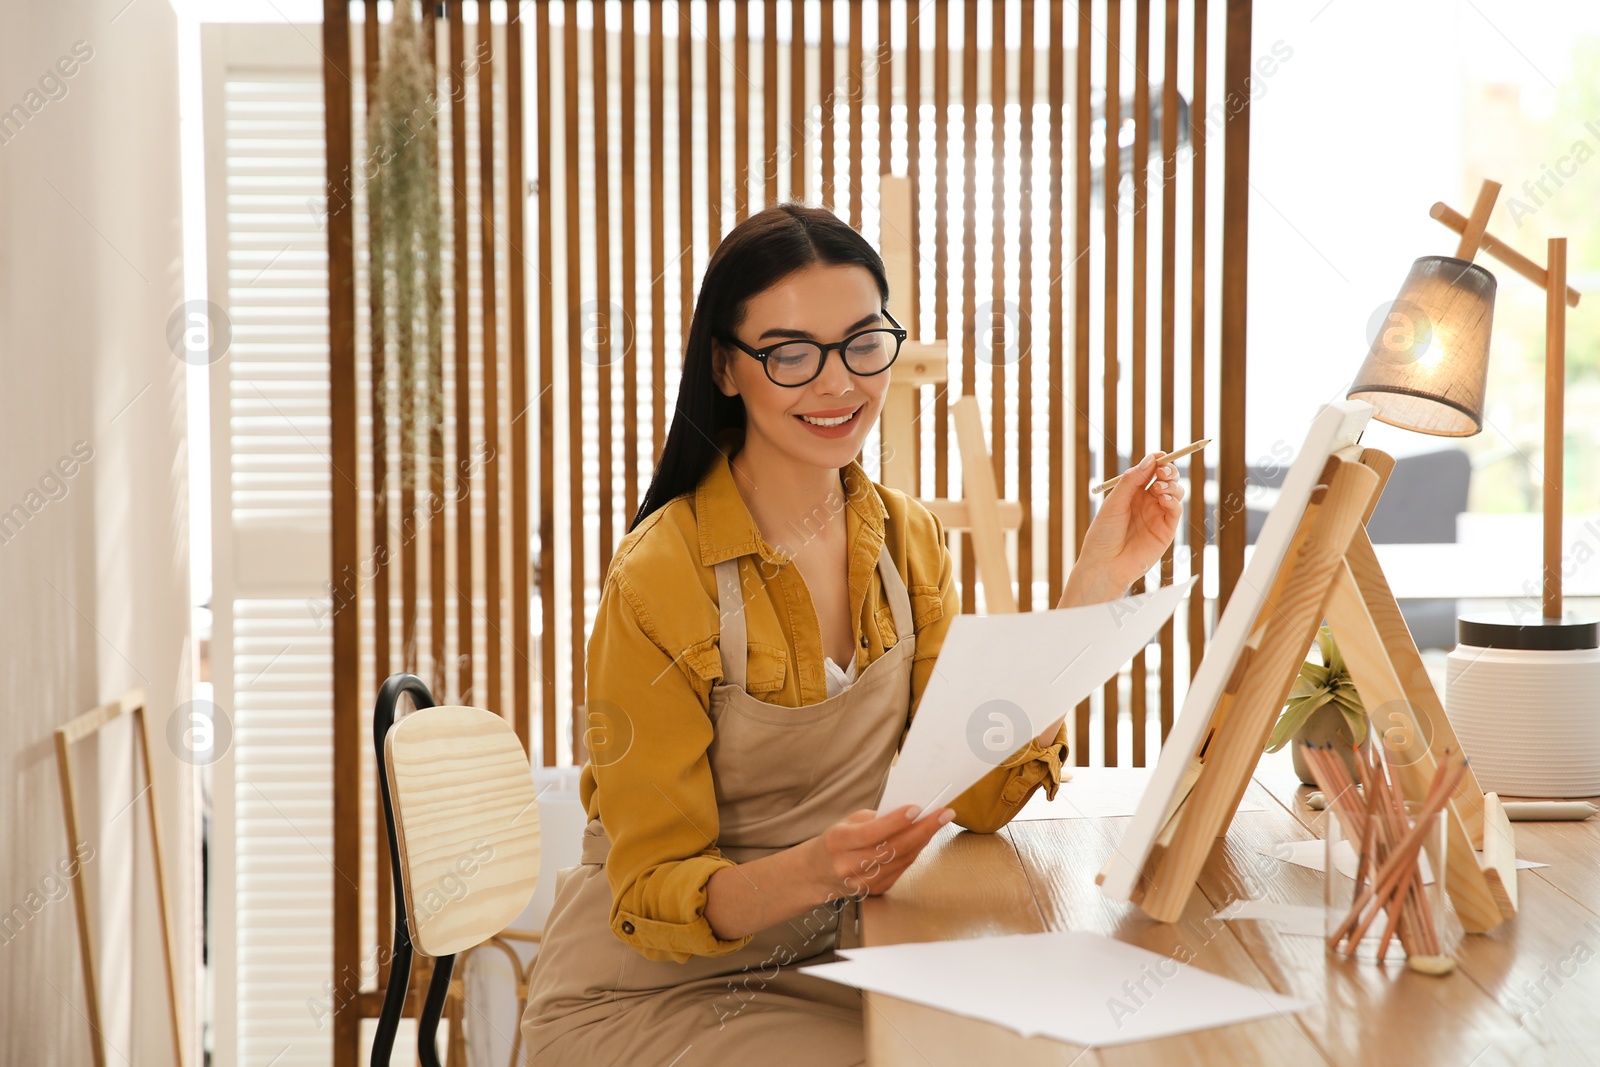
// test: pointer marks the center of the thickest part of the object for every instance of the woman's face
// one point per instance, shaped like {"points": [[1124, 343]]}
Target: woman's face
{"points": [[824, 303]]}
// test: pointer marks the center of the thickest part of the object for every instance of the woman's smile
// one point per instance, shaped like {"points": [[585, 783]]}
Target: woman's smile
{"points": [[837, 422]]}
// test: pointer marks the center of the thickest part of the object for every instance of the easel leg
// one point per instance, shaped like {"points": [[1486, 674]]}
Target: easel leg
{"points": [[1384, 611], [1414, 754]]}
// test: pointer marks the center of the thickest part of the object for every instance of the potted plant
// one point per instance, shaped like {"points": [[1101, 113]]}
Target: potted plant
{"points": [[1323, 708]]}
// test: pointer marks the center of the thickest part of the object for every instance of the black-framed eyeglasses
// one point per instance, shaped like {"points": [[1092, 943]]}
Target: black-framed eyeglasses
{"points": [[795, 363]]}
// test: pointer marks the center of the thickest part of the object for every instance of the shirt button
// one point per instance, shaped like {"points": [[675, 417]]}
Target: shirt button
{"points": [[627, 927], [863, 640]]}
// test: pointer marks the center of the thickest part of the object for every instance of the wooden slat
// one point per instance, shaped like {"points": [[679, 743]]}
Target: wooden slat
{"points": [[343, 421], [1025, 94], [438, 584], [493, 696], [997, 324], [630, 280], [855, 89], [913, 299], [382, 555], [1235, 279], [658, 237], [885, 61], [742, 89], [407, 561], [969, 258], [941, 236], [686, 151], [1139, 353], [517, 309], [604, 337], [1197, 342], [1080, 322], [378, 405], [1169, 336], [1060, 398], [712, 146], [912, 13], [543, 105], [798, 134], [769, 101], [825, 93], [465, 652], [574, 265], [1110, 184], [408, 558]]}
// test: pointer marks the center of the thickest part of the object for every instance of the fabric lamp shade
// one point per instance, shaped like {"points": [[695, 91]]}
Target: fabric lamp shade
{"points": [[1429, 362]]}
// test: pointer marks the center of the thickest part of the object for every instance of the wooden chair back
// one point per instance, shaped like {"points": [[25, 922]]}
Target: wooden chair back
{"points": [[467, 823]]}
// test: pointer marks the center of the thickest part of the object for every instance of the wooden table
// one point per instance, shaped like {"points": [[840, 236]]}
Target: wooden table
{"points": [[1527, 994]]}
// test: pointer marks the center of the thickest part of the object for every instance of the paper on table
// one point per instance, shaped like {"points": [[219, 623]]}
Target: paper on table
{"points": [[1070, 985], [1097, 793], [1307, 919], [1000, 679], [1310, 854]]}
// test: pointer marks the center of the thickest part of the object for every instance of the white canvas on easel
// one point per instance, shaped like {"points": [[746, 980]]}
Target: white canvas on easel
{"points": [[1336, 426], [1314, 563]]}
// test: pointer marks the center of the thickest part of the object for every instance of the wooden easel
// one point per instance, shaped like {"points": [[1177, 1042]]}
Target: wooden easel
{"points": [[1331, 572], [89, 724], [981, 512]]}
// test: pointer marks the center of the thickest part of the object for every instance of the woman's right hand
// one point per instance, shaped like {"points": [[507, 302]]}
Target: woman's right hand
{"points": [[865, 853]]}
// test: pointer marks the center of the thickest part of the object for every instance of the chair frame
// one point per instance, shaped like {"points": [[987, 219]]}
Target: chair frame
{"points": [[394, 999]]}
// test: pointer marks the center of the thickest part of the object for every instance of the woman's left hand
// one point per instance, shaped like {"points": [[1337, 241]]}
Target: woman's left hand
{"points": [[1134, 526]]}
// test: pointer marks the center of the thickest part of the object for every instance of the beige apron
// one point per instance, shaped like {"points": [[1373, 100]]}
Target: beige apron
{"points": [[783, 775]]}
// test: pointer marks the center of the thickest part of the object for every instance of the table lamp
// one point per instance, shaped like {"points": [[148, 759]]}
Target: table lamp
{"points": [[1522, 687]]}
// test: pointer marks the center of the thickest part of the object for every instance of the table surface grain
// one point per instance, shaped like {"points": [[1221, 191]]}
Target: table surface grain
{"points": [[1527, 993]]}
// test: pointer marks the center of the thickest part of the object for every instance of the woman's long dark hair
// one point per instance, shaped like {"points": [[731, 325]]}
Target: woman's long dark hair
{"points": [[757, 254]]}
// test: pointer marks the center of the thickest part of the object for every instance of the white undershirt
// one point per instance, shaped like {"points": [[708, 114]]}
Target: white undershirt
{"points": [[838, 680]]}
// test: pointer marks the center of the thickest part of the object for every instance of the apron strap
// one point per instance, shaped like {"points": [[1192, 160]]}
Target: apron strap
{"points": [[733, 645], [899, 600]]}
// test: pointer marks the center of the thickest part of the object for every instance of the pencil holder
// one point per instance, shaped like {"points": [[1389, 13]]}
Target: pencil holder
{"points": [[1378, 906]]}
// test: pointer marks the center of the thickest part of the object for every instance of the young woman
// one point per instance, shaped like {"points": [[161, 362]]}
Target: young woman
{"points": [[764, 634]]}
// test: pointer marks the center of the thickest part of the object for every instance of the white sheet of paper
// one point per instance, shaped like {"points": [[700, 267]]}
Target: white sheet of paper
{"points": [[1000, 679], [1097, 793], [1069, 985], [1306, 919], [1310, 854]]}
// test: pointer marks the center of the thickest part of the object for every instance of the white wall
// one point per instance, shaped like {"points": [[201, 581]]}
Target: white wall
{"points": [[94, 569]]}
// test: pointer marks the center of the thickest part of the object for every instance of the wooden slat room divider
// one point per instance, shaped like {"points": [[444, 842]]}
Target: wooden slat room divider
{"points": [[655, 127]]}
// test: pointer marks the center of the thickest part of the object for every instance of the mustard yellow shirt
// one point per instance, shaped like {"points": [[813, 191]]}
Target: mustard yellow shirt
{"points": [[654, 645]]}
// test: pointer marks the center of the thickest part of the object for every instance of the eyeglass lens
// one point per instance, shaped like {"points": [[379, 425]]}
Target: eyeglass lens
{"points": [[797, 362]]}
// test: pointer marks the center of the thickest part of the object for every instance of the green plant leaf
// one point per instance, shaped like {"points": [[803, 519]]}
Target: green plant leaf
{"points": [[1349, 700], [1357, 721], [1332, 658], [1312, 677], [1293, 718]]}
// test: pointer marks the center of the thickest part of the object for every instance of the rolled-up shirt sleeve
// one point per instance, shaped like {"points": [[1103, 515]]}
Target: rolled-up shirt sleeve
{"points": [[649, 732], [992, 801]]}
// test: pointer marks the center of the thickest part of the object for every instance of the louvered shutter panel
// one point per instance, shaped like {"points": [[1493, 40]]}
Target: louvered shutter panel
{"points": [[272, 793]]}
